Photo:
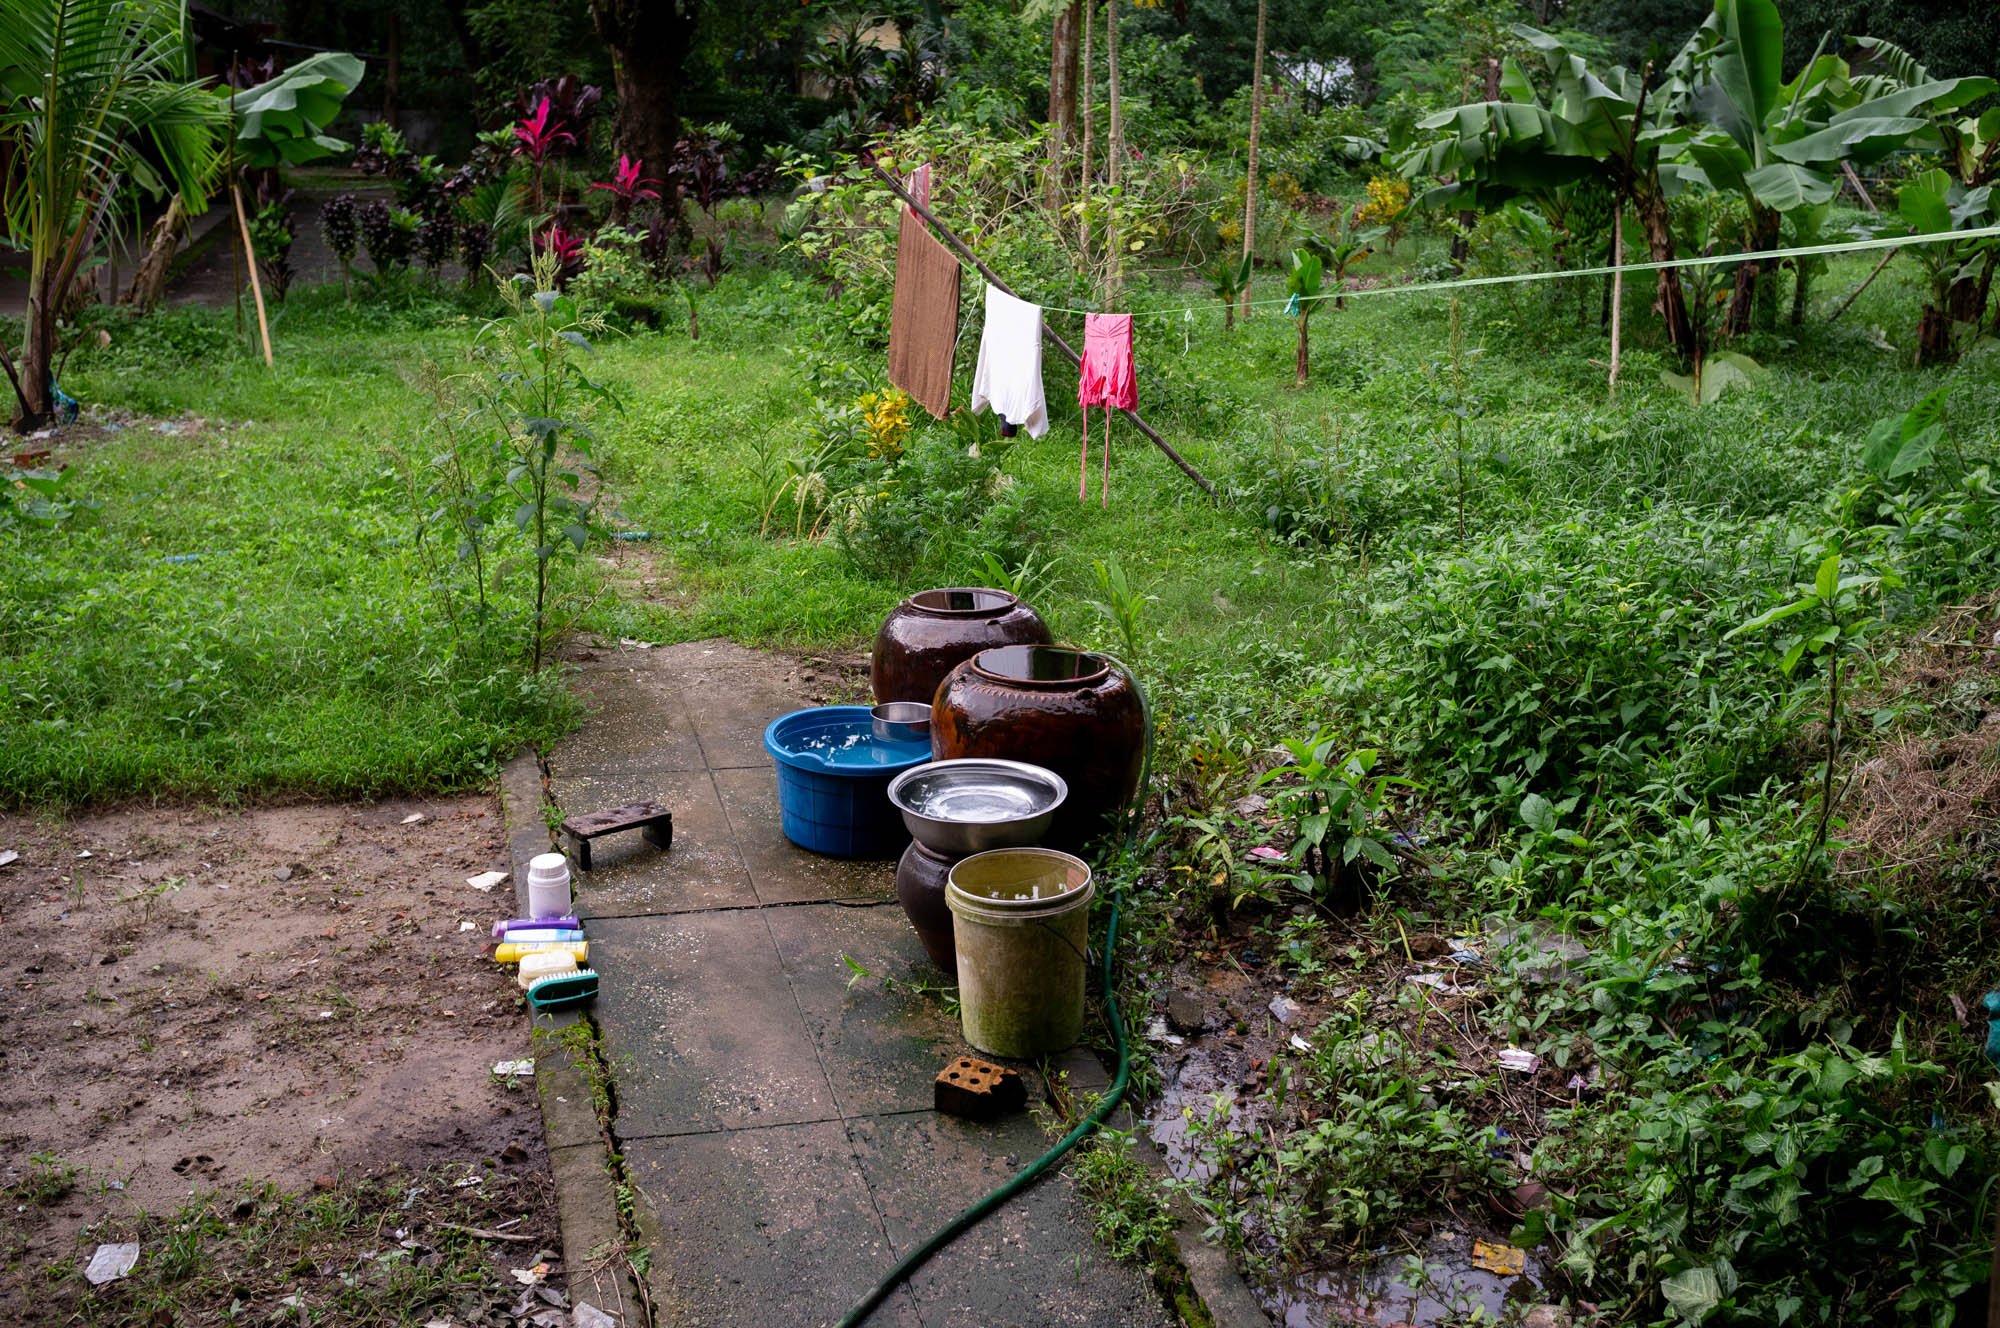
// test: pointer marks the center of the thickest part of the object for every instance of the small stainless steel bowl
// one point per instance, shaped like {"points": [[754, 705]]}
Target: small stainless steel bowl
{"points": [[902, 721], [974, 804]]}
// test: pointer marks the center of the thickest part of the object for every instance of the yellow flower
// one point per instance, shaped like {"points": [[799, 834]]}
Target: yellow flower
{"points": [[1388, 198], [887, 415]]}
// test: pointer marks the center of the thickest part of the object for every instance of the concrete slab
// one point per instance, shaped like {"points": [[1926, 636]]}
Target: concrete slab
{"points": [[783, 872], [732, 701], [1034, 1263], [630, 878], [765, 1227], [638, 721], [701, 1028], [881, 1047], [776, 1120]]}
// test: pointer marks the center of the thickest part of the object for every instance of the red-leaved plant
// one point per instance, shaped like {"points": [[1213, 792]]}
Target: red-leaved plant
{"points": [[626, 187], [535, 139]]}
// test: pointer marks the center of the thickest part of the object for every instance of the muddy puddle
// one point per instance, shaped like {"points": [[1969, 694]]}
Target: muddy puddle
{"points": [[1441, 1274], [1437, 1283]]}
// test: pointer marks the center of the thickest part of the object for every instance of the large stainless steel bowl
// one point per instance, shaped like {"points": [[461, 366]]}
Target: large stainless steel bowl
{"points": [[972, 805]]}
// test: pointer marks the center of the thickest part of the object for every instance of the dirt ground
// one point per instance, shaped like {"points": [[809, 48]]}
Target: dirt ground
{"points": [[300, 995]]}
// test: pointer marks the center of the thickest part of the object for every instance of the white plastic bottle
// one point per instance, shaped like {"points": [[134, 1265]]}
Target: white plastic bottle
{"points": [[548, 885]]}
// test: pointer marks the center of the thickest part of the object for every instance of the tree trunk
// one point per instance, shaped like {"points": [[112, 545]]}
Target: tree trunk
{"points": [[1933, 336], [1755, 280], [1064, 52], [32, 397], [149, 283], [1250, 175], [392, 75], [1966, 302], [1801, 289], [649, 41], [1300, 367], [1670, 299]]}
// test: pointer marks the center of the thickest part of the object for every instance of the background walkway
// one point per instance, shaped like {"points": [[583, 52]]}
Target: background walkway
{"points": [[776, 1115]]}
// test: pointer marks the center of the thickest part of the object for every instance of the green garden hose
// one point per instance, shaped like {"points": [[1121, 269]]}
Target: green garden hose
{"points": [[966, 1220]]}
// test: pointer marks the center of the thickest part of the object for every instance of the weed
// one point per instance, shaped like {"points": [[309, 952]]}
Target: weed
{"points": [[1128, 1212], [49, 1180]]}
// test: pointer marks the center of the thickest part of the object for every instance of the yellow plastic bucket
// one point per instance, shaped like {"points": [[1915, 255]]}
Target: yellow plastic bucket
{"points": [[1021, 920]]}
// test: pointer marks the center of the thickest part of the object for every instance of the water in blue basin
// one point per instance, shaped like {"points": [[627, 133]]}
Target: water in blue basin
{"points": [[840, 740]]}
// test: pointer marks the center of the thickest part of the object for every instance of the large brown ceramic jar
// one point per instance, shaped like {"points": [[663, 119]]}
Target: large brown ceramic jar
{"points": [[933, 631], [920, 878], [1068, 710]]}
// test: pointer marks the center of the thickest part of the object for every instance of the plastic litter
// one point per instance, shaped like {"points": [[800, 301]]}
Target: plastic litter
{"points": [[1501, 1260], [1519, 1061], [1285, 1009], [414, 818], [486, 880], [510, 1069], [111, 1262], [8, 856]]}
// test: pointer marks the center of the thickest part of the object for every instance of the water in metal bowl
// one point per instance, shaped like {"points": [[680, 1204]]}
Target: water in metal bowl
{"points": [[975, 804]]}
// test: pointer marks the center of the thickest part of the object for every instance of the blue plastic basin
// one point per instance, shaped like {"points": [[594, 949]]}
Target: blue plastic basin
{"points": [[833, 781]]}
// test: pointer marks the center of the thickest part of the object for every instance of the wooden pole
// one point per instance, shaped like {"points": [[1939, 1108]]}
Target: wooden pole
{"points": [[1089, 94], [1048, 332], [250, 261], [1617, 285], [1114, 149], [1250, 175], [1864, 285], [1847, 168]]}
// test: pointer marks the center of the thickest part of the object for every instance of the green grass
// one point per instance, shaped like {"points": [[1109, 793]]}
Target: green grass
{"points": [[241, 613]]}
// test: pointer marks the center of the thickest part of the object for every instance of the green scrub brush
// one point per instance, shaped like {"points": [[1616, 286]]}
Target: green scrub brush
{"points": [[563, 991]]}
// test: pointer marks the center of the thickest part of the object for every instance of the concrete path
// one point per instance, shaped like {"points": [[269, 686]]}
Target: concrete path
{"points": [[775, 1116]]}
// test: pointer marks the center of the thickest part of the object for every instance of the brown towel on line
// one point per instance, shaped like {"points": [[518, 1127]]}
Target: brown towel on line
{"points": [[923, 316]]}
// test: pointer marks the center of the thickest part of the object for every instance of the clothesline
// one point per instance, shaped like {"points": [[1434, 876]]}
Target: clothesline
{"points": [[1565, 274]]}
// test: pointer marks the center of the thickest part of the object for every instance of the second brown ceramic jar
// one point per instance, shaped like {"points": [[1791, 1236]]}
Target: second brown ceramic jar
{"points": [[933, 631], [1074, 712]]}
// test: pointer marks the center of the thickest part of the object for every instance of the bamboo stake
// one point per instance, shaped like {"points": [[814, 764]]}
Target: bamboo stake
{"points": [[1114, 149], [1250, 177], [944, 233], [1617, 286], [1088, 92], [250, 261], [1864, 285]]}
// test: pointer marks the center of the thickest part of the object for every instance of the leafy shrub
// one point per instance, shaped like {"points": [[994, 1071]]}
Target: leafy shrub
{"points": [[1568, 660]]}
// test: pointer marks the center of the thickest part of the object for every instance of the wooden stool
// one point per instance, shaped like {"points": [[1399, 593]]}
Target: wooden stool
{"points": [[651, 819]]}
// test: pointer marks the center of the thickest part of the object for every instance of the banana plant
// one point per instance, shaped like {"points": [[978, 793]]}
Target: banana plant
{"points": [[1969, 153], [283, 120], [1933, 203], [1227, 278], [1780, 145], [98, 96], [1305, 282], [1562, 124]]}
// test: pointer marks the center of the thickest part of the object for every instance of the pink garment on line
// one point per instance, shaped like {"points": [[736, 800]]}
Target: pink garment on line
{"points": [[1105, 377]]}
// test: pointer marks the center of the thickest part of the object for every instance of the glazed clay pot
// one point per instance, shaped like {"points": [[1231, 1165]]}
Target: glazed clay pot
{"points": [[1068, 710], [920, 878], [933, 631]]}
